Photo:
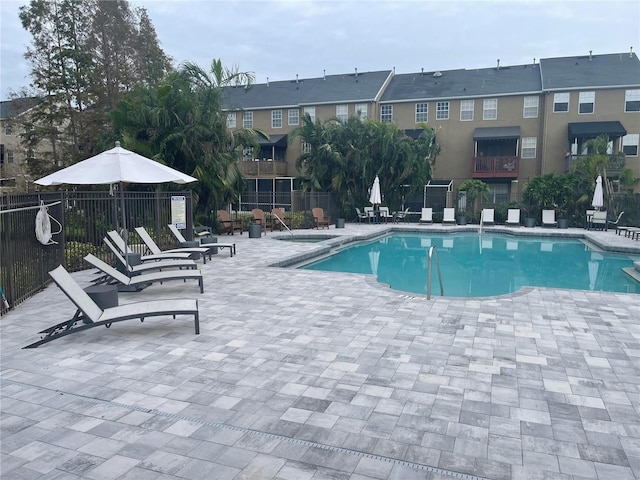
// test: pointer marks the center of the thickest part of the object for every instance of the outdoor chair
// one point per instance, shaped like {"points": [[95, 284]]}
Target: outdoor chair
{"points": [[513, 217], [228, 225], [549, 218], [168, 264], [589, 216], [320, 218], [141, 281], [155, 249], [90, 315], [598, 221], [400, 216], [427, 215], [181, 239], [361, 215], [616, 222], [261, 219], [449, 216], [370, 213], [488, 216], [118, 241], [385, 215], [279, 218]]}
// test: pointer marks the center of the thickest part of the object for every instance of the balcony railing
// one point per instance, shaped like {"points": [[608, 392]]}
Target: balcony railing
{"points": [[261, 168], [617, 162], [495, 167]]}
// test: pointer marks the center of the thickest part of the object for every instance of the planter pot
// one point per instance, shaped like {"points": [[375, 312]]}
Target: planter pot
{"points": [[255, 231], [340, 223], [529, 222], [462, 220], [563, 223]]}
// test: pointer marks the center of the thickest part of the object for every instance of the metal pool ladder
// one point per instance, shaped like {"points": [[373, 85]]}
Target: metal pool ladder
{"points": [[433, 251]]}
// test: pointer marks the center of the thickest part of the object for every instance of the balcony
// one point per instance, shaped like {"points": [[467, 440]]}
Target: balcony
{"points": [[262, 168], [496, 167], [617, 162]]}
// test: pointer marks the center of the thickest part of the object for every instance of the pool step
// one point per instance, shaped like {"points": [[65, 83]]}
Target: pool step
{"points": [[633, 272]]}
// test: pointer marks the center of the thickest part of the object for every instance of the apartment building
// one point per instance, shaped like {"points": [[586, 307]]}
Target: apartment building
{"points": [[503, 124], [13, 157]]}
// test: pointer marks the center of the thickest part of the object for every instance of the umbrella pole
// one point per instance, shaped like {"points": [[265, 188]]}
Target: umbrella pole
{"points": [[124, 228]]}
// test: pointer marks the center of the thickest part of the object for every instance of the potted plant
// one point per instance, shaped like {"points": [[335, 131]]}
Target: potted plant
{"points": [[547, 192], [470, 190]]}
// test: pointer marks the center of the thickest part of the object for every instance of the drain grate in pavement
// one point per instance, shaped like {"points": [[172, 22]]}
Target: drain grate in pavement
{"points": [[345, 451]]}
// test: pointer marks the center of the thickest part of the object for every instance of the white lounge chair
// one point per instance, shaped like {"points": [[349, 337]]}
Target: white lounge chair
{"points": [[427, 215], [598, 221], [617, 221], [117, 240], [155, 249], [144, 279], [181, 239], [449, 216], [549, 218], [90, 315], [167, 264], [397, 216], [488, 216], [513, 217]]}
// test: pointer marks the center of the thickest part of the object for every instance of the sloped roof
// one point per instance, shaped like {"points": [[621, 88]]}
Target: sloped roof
{"points": [[463, 83], [347, 88], [13, 108], [617, 69]]}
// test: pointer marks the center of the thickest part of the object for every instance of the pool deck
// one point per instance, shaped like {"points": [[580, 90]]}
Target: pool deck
{"points": [[307, 375]]}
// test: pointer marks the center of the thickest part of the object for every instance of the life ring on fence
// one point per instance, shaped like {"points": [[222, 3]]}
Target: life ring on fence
{"points": [[43, 226]]}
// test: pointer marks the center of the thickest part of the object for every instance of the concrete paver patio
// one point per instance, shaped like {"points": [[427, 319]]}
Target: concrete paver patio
{"points": [[302, 374]]}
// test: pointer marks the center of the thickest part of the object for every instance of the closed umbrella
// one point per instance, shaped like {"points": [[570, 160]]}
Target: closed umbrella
{"points": [[118, 166], [598, 198], [375, 198]]}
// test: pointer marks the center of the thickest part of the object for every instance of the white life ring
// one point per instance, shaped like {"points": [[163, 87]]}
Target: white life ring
{"points": [[43, 226]]}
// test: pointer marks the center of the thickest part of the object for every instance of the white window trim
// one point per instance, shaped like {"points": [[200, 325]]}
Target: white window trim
{"points": [[293, 116], [342, 112], [386, 117], [631, 96], [361, 111], [440, 112], [231, 120], [631, 140], [530, 105], [247, 119], [534, 146], [276, 118], [587, 98], [311, 111], [560, 98], [423, 111], [467, 110], [490, 109]]}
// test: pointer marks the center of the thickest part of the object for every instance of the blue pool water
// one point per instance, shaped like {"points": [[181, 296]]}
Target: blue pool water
{"points": [[475, 265]]}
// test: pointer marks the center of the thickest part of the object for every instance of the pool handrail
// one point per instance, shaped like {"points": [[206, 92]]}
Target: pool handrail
{"points": [[433, 251], [282, 222]]}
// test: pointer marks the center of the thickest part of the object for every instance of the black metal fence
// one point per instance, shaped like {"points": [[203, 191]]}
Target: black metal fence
{"points": [[80, 220]]}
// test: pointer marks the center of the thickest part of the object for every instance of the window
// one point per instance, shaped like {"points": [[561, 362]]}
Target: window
{"points": [[9, 156], [342, 112], [386, 113], [306, 147], [528, 147], [311, 111], [490, 109], [442, 111], [247, 153], [632, 101], [247, 119], [276, 118], [294, 116], [231, 120], [530, 109], [422, 112], [361, 110], [8, 131], [561, 102], [466, 110], [586, 100], [499, 193], [630, 144]]}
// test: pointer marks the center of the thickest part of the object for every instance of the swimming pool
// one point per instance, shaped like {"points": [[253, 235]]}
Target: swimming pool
{"points": [[475, 265]]}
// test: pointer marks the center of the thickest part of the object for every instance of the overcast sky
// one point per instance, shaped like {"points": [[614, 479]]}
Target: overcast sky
{"points": [[282, 39]]}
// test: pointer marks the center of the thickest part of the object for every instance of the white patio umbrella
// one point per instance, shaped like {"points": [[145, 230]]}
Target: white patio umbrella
{"points": [[375, 198], [598, 198], [118, 166]]}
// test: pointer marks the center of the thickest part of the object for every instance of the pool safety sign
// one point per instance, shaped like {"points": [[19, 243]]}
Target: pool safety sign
{"points": [[179, 211]]}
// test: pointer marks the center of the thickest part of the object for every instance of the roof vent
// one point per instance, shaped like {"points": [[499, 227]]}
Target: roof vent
{"points": [[437, 73], [356, 72], [422, 71], [267, 81], [296, 78], [324, 74], [630, 52], [498, 67], [590, 56]]}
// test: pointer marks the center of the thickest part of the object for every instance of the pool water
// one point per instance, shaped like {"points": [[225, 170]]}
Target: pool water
{"points": [[475, 265]]}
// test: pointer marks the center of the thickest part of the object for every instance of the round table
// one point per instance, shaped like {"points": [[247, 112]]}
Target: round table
{"points": [[105, 296]]}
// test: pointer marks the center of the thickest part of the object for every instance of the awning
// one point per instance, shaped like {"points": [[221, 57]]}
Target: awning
{"points": [[496, 133], [593, 129], [279, 141]]}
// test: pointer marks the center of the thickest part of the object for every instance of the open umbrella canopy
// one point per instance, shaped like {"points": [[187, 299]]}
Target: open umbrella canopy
{"points": [[598, 198], [115, 166], [375, 198]]}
